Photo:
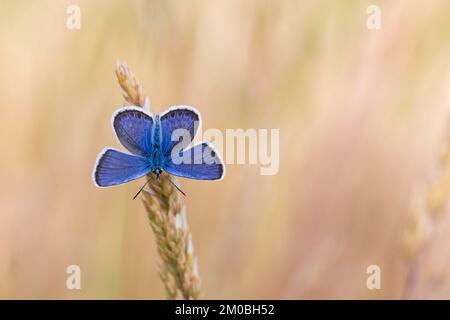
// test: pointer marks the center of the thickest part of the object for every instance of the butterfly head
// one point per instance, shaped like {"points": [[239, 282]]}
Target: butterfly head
{"points": [[158, 173]]}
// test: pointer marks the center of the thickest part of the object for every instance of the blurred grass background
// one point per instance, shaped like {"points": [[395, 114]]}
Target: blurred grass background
{"points": [[363, 119]]}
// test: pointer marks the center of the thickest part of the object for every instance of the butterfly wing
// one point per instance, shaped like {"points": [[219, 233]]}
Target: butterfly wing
{"points": [[178, 118], [114, 167], [133, 128], [199, 162]]}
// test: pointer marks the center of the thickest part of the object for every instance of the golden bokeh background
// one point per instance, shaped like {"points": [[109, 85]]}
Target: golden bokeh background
{"points": [[363, 119]]}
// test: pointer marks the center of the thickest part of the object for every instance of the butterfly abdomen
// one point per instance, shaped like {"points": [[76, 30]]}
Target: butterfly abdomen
{"points": [[156, 144]]}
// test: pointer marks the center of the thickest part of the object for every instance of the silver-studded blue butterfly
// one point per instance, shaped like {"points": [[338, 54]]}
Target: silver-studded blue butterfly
{"points": [[152, 146]]}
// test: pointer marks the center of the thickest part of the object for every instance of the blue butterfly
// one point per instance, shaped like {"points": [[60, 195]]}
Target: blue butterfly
{"points": [[155, 146]]}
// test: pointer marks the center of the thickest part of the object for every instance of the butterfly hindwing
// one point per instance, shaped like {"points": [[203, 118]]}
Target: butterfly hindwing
{"points": [[114, 167], [178, 118], [199, 162], [133, 128]]}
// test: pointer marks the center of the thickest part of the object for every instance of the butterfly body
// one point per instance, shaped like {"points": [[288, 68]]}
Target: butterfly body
{"points": [[155, 147], [156, 155]]}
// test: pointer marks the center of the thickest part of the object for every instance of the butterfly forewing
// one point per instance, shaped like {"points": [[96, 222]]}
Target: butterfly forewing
{"points": [[178, 125], [133, 128]]}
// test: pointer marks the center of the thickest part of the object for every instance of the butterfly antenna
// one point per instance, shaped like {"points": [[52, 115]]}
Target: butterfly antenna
{"points": [[178, 188], [140, 190]]}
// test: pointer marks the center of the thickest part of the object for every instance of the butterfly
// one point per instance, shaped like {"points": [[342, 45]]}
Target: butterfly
{"points": [[155, 144]]}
